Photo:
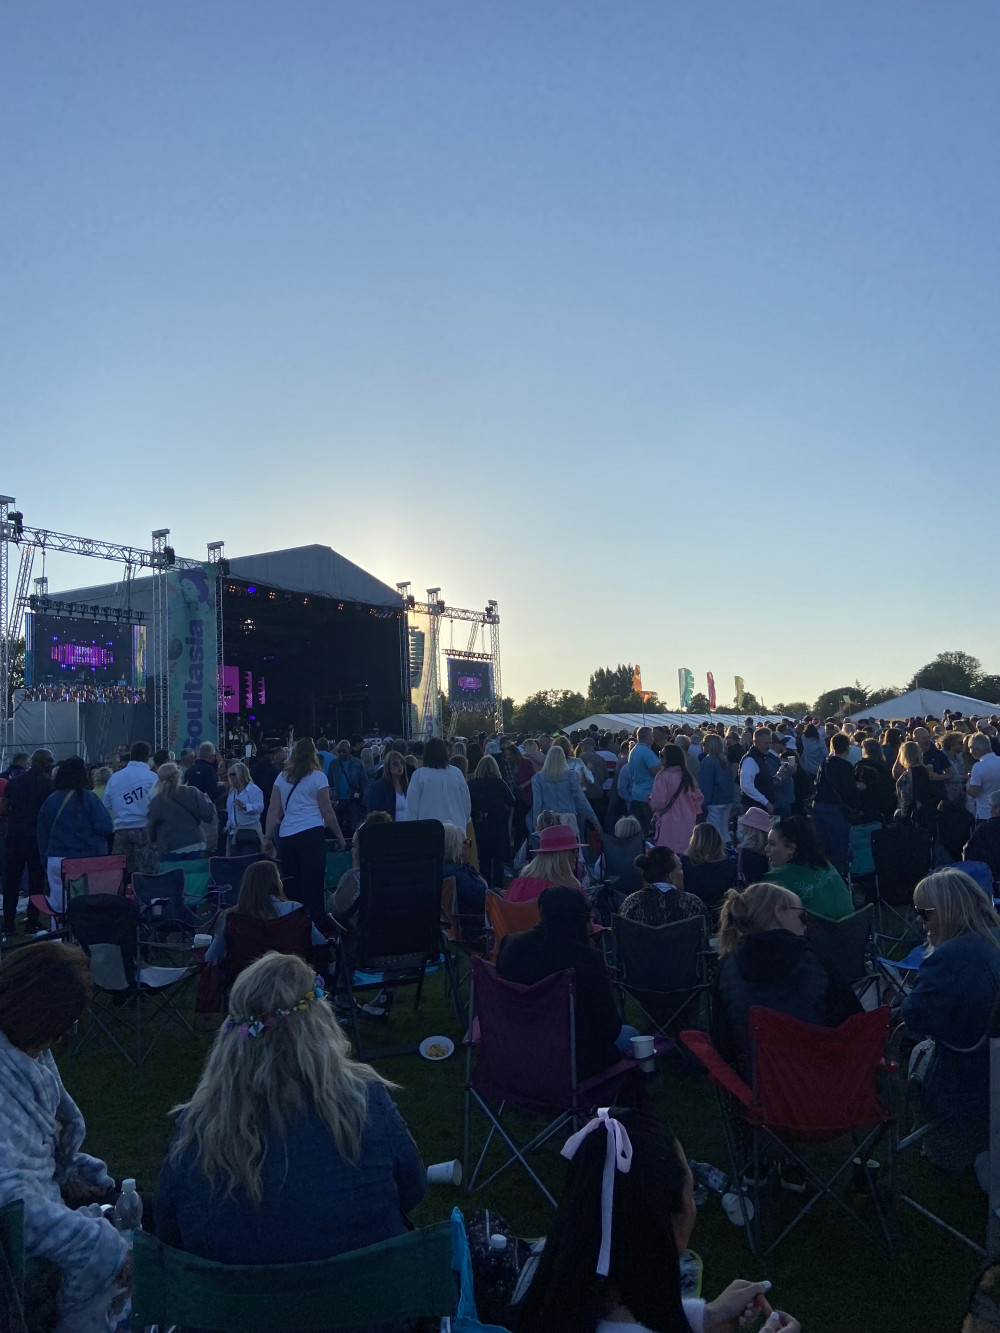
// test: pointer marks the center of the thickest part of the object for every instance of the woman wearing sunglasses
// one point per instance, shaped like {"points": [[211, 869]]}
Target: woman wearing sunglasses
{"points": [[951, 1001], [766, 960]]}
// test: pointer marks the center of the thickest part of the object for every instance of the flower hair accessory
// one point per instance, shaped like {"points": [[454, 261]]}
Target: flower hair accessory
{"points": [[255, 1024], [617, 1157]]}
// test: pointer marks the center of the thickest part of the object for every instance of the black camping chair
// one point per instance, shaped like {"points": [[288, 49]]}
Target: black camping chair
{"points": [[662, 968], [903, 855], [164, 917], [107, 928], [847, 946], [398, 915]]}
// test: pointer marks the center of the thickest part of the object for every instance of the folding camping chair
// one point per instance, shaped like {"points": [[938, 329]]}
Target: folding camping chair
{"points": [[398, 917], [82, 875], [619, 863], [407, 1277], [811, 1087], [196, 877], [860, 862], [107, 928], [165, 919], [903, 855], [249, 938], [662, 968], [509, 919], [462, 935], [225, 875], [524, 1058], [847, 945]]}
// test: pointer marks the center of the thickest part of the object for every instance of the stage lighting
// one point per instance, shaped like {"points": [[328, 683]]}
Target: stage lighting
{"points": [[95, 611], [169, 557], [17, 524], [33, 602], [250, 588]]}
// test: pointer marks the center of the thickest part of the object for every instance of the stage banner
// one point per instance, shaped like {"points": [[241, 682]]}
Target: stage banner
{"points": [[192, 669], [685, 684], [425, 703], [739, 693], [711, 692]]}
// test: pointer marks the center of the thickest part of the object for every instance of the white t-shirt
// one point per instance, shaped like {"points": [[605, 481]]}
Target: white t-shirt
{"points": [[986, 776], [299, 803], [400, 806]]}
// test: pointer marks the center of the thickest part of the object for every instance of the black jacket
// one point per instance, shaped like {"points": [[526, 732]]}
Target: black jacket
{"points": [[492, 801], [878, 800], [25, 796], [537, 954], [835, 783], [205, 776], [776, 970], [984, 845]]}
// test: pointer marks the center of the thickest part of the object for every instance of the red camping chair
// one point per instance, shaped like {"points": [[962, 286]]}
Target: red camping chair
{"points": [[83, 875], [523, 1057], [249, 938], [812, 1086]]}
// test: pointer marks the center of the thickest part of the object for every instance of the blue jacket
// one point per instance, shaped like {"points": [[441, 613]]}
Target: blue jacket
{"points": [[315, 1205], [951, 1001], [81, 829], [716, 781], [382, 796], [564, 798], [354, 771]]}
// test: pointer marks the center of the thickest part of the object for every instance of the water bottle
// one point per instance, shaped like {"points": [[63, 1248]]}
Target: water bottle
{"points": [[127, 1216], [710, 1176]]}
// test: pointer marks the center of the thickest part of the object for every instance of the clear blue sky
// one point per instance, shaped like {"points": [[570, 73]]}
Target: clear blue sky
{"points": [[672, 326]]}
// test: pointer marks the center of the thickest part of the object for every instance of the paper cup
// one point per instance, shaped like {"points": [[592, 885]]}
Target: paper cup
{"points": [[445, 1173], [733, 1205], [643, 1050], [202, 941]]}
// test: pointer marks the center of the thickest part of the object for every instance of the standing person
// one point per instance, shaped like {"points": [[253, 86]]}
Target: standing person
{"points": [[23, 798], [838, 801], [716, 782], [177, 817], [875, 786], [985, 776], [643, 767], [530, 763], [756, 783], [244, 808], [918, 798], [204, 773], [437, 789], [675, 801], [126, 796], [347, 783], [388, 792], [492, 802], [558, 788], [71, 822], [300, 804]]}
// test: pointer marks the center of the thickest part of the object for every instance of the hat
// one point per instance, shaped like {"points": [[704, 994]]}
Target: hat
{"points": [[558, 838], [757, 818]]}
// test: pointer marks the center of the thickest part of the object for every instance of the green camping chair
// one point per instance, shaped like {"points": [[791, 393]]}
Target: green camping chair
{"points": [[407, 1277], [196, 879]]}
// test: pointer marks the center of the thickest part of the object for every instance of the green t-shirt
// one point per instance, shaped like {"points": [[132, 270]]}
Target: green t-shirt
{"points": [[821, 889]]}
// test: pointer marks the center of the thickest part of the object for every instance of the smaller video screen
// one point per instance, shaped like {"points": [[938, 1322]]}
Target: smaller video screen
{"points": [[70, 660], [470, 684]]}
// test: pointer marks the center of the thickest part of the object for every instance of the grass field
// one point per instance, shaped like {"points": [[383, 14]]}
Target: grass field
{"points": [[826, 1273]]}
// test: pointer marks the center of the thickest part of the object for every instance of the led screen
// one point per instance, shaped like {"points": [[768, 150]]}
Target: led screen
{"points": [[470, 684], [75, 660]]}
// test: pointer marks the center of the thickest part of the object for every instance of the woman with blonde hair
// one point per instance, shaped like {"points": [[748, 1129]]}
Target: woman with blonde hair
{"points": [[556, 787], [766, 961], [244, 807], [288, 1149], [951, 1001], [261, 896], [300, 807], [708, 871], [554, 863], [917, 796], [492, 803], [175, 816]]}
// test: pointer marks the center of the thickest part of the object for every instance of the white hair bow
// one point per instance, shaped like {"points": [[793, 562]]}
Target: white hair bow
{"points": [[617, 1157]]}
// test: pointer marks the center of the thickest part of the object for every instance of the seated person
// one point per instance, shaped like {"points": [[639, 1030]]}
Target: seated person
{"points": [[652, 1216], [951, 1001], [628, 840], [261, 897], [288, 1149], [562, 940], [662, 898], [984, 844], [555, 863], [342, 903], [765, 960], [44, 990], [708, 871], [751, 861], [470, 888], [799, 863]]}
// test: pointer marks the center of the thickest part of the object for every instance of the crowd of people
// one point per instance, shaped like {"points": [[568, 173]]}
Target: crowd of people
{"points": [[745, 829], [81, 692]]}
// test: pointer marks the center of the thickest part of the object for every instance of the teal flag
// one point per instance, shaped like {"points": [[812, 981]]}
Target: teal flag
{"points": [[685, 683]]}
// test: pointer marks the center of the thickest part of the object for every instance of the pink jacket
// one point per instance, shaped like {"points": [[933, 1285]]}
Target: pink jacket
{"points": [[674, 828]]}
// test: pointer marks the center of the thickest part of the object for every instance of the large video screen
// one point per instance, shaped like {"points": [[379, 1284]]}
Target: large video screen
{"points": [[470, 685], [70, 660]]}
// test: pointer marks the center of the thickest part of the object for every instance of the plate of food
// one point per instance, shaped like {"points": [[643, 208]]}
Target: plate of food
{"points": [[436, 1048]]}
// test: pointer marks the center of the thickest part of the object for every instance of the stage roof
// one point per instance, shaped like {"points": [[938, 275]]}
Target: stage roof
{"points": [[316, 570]]}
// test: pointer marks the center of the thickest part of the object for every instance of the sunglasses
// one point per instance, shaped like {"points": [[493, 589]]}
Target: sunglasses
{"points": [[800, 912], [924, 913]]}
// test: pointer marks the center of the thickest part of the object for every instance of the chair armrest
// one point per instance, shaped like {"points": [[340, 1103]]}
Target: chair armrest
{"points": [[721, 1075]]}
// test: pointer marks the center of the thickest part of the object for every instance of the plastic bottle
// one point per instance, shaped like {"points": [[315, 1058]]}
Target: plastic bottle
{"points": [[498, 1241], [127, 1216], [710, 1176]]}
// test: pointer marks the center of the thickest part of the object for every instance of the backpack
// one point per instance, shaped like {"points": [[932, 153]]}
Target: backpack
{"points": [[494, 1272]]}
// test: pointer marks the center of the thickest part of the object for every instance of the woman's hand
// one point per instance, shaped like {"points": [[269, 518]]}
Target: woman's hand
{"points": [[740, 1305], [269, 848], [77, 1192]]}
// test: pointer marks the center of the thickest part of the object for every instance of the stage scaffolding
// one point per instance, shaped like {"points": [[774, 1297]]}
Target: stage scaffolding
{"points": [[486, 621], [28, 541]]}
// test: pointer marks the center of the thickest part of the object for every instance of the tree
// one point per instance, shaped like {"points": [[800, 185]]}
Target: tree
{"points": [[955, 671], [609, 683], [798, 709], [699, 704], [16, 671], [548, 710], [831, 704], [988, 688], [749, 705], [882, 695]]}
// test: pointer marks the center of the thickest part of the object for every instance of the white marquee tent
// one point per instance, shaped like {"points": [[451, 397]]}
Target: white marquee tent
{"points": [[928, 703], [629, 721]]}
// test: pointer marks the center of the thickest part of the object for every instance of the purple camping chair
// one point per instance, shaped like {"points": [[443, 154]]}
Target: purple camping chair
{"points": [[521, 1056]]}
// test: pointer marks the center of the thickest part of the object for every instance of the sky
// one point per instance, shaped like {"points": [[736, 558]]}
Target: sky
{"points": [[674, 327]]}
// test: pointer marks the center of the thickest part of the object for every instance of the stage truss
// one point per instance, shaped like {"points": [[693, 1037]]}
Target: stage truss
{"points": [[160, 558], [486, 622]]}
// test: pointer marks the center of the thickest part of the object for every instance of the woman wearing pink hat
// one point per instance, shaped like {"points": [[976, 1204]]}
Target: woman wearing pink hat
{"points": [[675, 801], [555, 863]]}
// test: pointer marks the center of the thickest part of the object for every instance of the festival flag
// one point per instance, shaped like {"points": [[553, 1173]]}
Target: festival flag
{"points": [[644, 695], [739, 693], [685, 681], [711, 692]]}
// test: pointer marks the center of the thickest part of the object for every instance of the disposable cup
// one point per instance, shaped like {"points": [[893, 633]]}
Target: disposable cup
{"points": [[445, 1173], [643, 1050], [202, 941]]}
